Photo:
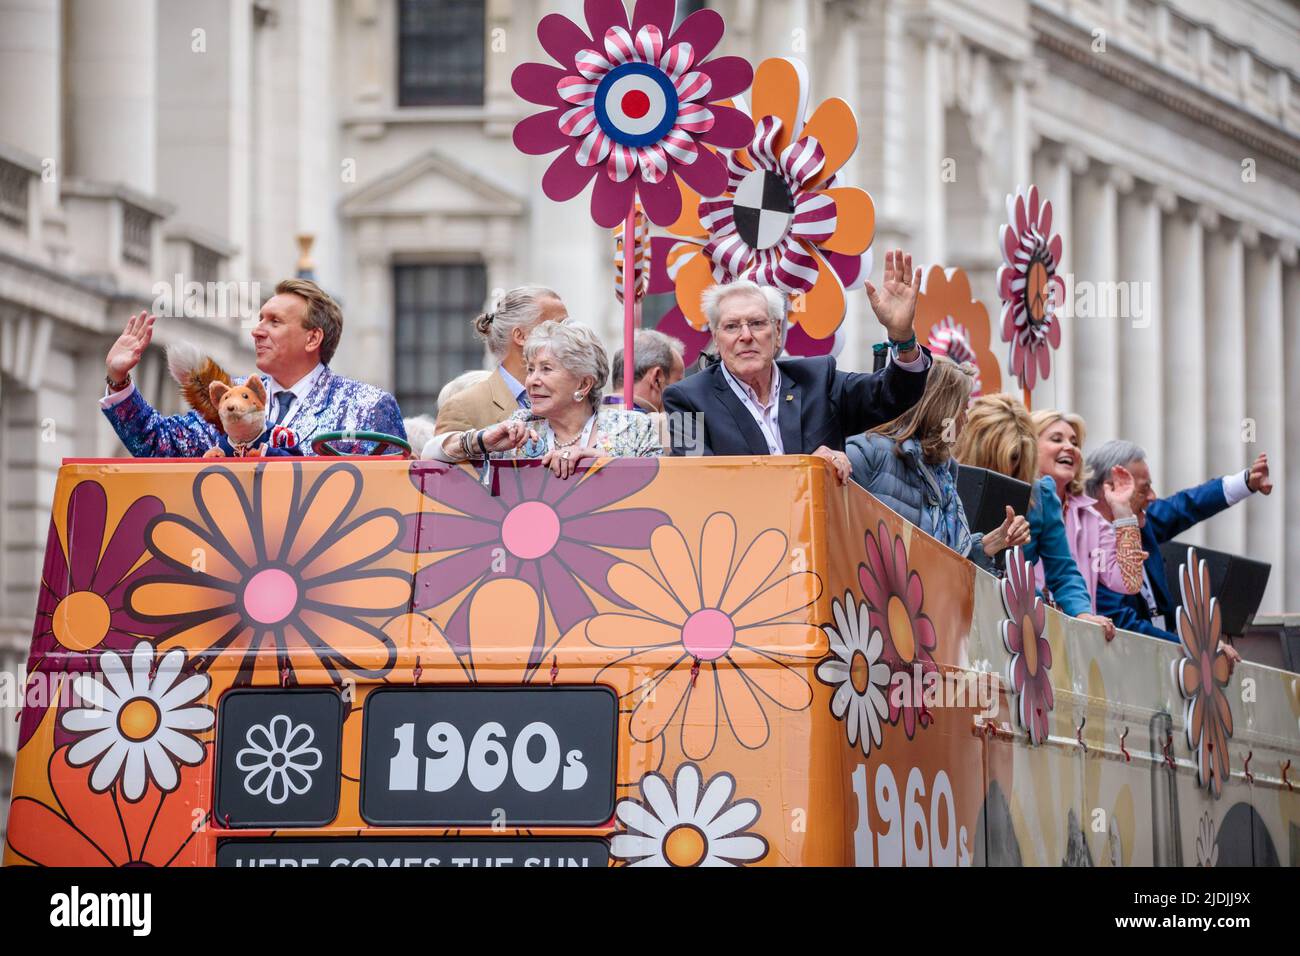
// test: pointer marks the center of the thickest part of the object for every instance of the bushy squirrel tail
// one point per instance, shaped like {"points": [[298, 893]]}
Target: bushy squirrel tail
{"points": [[194, 372]]}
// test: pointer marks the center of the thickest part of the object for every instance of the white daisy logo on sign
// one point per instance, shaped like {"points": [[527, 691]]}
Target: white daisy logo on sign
{"points": [[857, 673], [279, 759], [138, 725], [674, 825]]}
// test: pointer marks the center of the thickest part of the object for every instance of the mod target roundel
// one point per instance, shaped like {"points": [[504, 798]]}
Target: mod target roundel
{"points": [[636, 105]]}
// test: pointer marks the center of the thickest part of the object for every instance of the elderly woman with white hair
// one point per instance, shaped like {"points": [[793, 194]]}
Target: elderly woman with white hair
{"points": [[566, 371]]}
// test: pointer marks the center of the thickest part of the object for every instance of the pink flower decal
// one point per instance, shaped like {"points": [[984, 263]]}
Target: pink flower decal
{"points": [[1029, 671], [635, 101], [895, 598], [552, 534], [1202, 673], [1030, 289]]}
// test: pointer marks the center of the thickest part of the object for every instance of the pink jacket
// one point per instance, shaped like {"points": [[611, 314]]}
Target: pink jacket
{"points": [[1092, 543]]}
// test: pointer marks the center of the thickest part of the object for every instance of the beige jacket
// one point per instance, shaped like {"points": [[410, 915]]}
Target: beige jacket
{"points": [[479, 406]]}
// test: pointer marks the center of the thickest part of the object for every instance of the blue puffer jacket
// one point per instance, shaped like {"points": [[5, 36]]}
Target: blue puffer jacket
{"points": [[910, 487]]}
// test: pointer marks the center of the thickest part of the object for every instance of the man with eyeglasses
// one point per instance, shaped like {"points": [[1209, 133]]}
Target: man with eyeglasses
{"points": [[751, 403]]}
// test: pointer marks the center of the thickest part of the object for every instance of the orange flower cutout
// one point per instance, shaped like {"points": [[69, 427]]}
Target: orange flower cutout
{"points": [[954, 323], [722, 635], [284, 573]]}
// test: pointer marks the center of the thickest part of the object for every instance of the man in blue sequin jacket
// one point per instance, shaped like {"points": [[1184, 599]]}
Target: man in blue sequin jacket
{"points": [[297, 333]]}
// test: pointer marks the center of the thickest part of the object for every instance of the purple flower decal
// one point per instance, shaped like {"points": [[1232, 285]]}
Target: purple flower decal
{"points": [[536, 528], [82, 610], [633, 105]]}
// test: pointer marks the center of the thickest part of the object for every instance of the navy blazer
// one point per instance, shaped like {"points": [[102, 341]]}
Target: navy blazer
{"points": [[819, 405], [1167, 518]]}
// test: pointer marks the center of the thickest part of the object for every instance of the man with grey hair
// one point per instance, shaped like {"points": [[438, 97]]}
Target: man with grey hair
{"points": [[505, 328], [660, 363], [752, 404], [1151, 610]]}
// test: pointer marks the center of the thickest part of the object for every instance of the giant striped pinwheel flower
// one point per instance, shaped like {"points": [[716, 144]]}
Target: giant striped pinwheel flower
{"points": [[783, 221], [638, 102], [956, 324], [1031, 290]]}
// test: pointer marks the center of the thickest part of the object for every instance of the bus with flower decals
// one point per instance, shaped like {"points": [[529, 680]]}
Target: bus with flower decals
{"points": [[381, 662]]}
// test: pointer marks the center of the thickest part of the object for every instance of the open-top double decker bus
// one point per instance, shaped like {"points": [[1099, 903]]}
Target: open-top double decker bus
{"points": [[341, 662]]}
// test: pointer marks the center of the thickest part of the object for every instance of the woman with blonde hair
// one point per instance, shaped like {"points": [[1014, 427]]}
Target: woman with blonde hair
{"points": [[1105, 552], [907, 465], [566, 371], [1000, 436]]}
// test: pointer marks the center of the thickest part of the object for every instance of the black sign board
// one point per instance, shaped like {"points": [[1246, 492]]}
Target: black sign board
{"points": [[278, 754], [985, 495], [505, 757], [393, 853], [1238, 582]]}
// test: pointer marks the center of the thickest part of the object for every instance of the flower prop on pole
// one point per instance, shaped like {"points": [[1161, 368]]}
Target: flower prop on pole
{"points": [[632, 105], [1024, 635], [1031, 290], [956, 324], [782, 220]]}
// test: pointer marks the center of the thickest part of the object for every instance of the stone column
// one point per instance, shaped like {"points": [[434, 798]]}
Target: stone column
{"points": [[1225, 379], [112, 72], [1096, 324], [1266, 373], [31, 85], [1288, 486], [1182, 412], [1142, 326], [1055, 169]]}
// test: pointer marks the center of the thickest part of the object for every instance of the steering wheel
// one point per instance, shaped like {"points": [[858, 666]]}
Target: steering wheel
{"points": [[386, 446]]}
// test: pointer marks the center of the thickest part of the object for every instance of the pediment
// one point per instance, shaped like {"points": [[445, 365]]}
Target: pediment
{"points": [[433, 183]]}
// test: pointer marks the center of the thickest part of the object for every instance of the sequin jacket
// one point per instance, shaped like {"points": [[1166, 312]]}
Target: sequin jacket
{"points": [[335, 404]]}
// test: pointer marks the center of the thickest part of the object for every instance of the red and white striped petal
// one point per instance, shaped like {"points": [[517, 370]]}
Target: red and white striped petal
{"points": [[694, 118], [618, 46], [678, 60], [577, 90], [649, 44], [692, 87], [796, 271], [736, 171], [802, 160], [718, 217], [592, 65], [654, 163], [622, 162], [763, 270], [815, 218], [681, 147], [769, 127], [594, 148], [729, 253], [579, 121]]}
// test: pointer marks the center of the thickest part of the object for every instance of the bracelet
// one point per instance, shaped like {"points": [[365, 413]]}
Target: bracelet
{"points": [[482, 446], [466, 450], [118, 387], [907, 346], [1129, 522]]}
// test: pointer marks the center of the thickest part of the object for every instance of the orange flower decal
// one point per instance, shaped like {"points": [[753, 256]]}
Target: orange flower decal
{"points": [[719, 634], [956, 324], [1202, 674], [90, 828], [287, 568]]}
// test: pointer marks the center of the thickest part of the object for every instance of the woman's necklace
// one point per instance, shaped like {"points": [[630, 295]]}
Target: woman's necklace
{"points": [[570, 443]]}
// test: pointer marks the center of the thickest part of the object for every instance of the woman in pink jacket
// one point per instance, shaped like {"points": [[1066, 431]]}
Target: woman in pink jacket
{"points": [[1108, 553]]}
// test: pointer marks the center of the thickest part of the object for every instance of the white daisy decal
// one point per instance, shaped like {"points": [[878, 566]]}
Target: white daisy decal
{"points": [[138, 725], [673, 825], [279, 759], [859, 676]]}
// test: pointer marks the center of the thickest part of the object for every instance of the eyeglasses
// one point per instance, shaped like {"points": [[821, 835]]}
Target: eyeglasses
{"points": [[755, 326]]}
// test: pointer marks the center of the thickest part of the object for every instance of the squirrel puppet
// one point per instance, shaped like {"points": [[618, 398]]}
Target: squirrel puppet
{"points": [[238, 412]]}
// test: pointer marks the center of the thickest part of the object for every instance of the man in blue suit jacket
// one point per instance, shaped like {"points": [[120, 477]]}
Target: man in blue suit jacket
{"points": [[752, 404], [1161, 520], [297, 333]]}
